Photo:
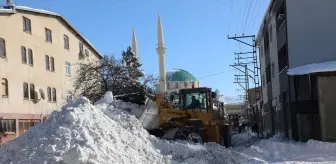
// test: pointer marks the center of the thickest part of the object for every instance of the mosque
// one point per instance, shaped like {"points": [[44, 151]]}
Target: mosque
{"points": [[168, 81]]}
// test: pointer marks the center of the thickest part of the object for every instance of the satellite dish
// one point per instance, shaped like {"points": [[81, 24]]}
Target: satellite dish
{"points": [[42, 94]]}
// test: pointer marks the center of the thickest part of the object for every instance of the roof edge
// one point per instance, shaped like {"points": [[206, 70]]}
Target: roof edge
{"points": [[259, 34], [25, 8]]}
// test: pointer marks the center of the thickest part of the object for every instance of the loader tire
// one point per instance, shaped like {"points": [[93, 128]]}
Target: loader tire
{"points": [[195, 137], [188, 135], [156, 132]]}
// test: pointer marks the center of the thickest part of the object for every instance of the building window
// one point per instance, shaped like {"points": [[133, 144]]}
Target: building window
{"points": [[26, 124], [54, 95], [68, 98], [30, 57], [270, 30], [86, 53], [263, 80], [27, 25], [52, 64], [23, 55], [268, 73], [280, 16], [49, 93], [66, 42], [81, 51], [266, 44], [7, 126], [2, 47], [273, 71], [48, 35], [81, 47], [282, 58], [32, 91], [67, 69], [261, 51], [4, 86], [47, 62], [25, 91]]}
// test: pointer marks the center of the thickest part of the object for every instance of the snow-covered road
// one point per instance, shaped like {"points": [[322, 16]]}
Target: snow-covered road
{"points": [[82, 133], [279, 150]]}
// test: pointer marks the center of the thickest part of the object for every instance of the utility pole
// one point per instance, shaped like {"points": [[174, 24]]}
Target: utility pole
{"points": [[247, 65]]}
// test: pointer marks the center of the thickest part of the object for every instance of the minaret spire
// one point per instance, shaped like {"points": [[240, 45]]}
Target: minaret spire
{"points": [[134, 44], [161, 53], [160, 32]]}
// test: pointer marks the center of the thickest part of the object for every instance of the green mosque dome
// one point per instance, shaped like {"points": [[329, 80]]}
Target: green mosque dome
{"points": [[179, 75]]}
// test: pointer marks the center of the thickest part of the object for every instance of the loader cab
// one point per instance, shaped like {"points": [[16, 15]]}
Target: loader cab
{"points": [[196, 98]]}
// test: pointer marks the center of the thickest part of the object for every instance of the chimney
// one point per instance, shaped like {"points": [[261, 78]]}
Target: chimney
{"points": [[9, 4]]}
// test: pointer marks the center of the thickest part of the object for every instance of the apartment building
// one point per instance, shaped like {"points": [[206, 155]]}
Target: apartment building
{"points": [[39, 51], [293, 38]]}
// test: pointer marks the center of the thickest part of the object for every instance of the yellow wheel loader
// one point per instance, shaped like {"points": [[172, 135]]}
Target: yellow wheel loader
{"points": [[190, 114]]}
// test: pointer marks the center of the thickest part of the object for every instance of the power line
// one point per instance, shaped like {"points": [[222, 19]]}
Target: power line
{"points": [[243, 18], [252, 16], [253, 23], [247, 16], [257, 15], [212, 75], [230, 15]]}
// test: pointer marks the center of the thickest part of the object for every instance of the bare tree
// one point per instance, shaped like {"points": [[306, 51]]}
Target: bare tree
{"points": [[95, 78]]}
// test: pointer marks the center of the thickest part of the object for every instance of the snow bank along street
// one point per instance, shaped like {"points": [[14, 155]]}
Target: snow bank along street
{"points": [[84, 133]]}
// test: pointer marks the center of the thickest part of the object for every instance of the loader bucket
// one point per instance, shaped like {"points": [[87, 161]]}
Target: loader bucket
{"points": [[149, 117], [170, 134]]}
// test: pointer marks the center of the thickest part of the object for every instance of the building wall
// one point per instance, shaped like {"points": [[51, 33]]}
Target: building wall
{"points": [[273, 114], [172, 86], [15, 106], [263, 71], [327, 104], [274, 58], [308, 32], [311, 31]]}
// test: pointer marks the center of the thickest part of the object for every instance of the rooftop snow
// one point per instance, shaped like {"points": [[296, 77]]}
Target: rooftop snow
{"points": [[6, 10], [313, 68], [36, 10]]}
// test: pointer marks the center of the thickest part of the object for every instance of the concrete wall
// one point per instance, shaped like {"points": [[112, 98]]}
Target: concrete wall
{"points": [[15, 106], [172, 86], [263, 71], [327, 105], [274, 58], [311, 31]]}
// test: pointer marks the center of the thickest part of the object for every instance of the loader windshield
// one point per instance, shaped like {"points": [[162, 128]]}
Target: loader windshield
{"points": [[196, 100]]}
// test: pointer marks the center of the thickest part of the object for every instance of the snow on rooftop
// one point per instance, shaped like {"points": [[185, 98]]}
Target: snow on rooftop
{"points": [[313, 68], [6, 10], [37, 10]]}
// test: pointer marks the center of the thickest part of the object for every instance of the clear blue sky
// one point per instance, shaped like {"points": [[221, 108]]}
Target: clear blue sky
{"points": [[195, 31]]}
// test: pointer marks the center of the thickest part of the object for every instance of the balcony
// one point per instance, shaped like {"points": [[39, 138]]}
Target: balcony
{"points": [[282, 35]]}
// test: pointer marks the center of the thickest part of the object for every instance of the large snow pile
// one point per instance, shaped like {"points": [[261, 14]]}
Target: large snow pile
{"points": [[83, 133], [97, 134], [244, 139]]}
